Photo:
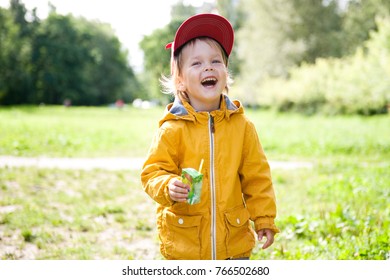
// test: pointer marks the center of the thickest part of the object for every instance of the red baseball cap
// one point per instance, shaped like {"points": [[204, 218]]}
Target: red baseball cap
{"points": [[204, 25]]}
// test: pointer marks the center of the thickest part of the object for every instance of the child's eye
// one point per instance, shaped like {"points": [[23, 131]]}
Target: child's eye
{"points": [[217, 61], [195, 63]]}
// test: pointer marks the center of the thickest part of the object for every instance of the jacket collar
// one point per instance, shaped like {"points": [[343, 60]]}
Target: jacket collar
{"points": [[181, 109]]}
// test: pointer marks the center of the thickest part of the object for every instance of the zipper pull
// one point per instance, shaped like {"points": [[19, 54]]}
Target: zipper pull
{"points": [[212, 127]]}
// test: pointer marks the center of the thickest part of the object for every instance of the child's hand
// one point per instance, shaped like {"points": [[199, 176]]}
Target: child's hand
{"points": [[269, 234], [178, 191]]}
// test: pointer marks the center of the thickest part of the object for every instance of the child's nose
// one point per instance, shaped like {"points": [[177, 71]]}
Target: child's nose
{"points": [[209, 67]]}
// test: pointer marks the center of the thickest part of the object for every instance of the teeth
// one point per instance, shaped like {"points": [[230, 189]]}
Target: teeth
{"points": [[209, 80]]}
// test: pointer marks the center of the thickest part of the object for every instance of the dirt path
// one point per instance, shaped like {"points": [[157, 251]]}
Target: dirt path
{"points": [[109, 163]]}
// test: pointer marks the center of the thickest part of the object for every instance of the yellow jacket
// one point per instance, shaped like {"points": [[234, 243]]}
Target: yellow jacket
{"points": [[236, 188]]}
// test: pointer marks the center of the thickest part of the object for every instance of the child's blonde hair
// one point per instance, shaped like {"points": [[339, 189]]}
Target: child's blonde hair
{"points": [[170, 83]]}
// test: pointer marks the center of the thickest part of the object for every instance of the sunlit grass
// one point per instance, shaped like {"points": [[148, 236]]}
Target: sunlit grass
{"points": [[58, 214], [339, 209], [296, 136], [335, 211], [56, 131]]}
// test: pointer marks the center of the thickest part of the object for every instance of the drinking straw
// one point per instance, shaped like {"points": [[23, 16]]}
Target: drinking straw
{"points": [[201, 166]]}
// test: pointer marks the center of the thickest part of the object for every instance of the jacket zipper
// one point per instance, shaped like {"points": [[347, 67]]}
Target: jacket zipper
{"points": [[212, 189]]}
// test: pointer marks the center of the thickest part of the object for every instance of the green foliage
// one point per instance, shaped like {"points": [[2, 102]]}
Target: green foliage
{"points": [[346, 213], [81, 61], [353, 85], [359, 21], [157, 58], [232, 10], [61, 57], [27, 235], [57, 60], [277, 35], [318, 25], [181, 11], [15, 44]]}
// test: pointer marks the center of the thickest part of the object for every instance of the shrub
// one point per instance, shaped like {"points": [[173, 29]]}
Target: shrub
{"points": [[359, 84]]}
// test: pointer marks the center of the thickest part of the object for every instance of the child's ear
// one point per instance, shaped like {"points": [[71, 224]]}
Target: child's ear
{"points": [[181, 86]]}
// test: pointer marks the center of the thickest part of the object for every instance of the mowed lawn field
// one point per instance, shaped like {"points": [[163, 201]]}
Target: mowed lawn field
{"points": [[337, 209]]}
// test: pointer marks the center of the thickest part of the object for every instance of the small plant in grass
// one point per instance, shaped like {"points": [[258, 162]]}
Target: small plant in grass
{"points": [[28, 236]]}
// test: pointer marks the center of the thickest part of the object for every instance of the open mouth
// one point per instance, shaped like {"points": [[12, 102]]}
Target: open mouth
{"points": [[209, 82]]}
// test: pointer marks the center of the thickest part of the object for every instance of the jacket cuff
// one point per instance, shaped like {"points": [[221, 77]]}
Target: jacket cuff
{"points": [[266, 222]]}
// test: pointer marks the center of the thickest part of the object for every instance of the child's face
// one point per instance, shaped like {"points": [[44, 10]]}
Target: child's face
{"points": [[203, 75]]}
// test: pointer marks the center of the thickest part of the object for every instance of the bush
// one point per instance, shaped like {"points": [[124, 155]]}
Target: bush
{"points": [[358, 84]]}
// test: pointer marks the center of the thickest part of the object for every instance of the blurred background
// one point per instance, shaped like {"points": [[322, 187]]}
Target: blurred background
{"points": [[80, 102], [300, 55]]}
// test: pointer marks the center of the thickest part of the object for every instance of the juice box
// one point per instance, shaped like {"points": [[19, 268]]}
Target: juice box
{"points": [[194, 179]]}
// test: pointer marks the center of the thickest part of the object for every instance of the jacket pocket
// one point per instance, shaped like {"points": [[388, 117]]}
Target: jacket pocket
{"points": [[240, 236], [181, 236]]}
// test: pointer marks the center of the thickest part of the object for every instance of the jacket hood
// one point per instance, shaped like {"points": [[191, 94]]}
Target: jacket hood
{"points": [[181, 109]]}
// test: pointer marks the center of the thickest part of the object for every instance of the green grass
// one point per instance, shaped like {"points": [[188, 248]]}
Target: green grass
{"points": [[339, 209], [290, 136], [58, 214], [336, 211], [56, 131]]}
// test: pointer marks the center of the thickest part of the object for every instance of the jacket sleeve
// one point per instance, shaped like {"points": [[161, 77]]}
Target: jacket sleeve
{"points": [[256, 182], [160, 166]]}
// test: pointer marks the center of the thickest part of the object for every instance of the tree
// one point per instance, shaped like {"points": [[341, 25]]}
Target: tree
{"points": [[57, 59], [180, 11], [277, 35], [80, 60], [61, 57], [7, 31], [360, 20], [319, 24], [108, 75], [156, 57], [231, 10], [16, 34]]}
